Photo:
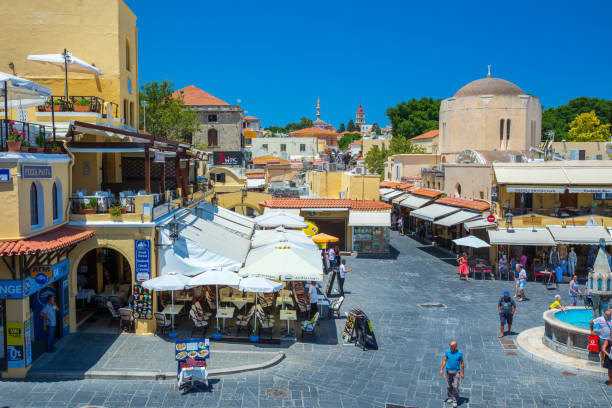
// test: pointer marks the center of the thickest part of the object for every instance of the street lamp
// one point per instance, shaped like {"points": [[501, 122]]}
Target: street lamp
{"points": [[144, 107], [533, 222], [509, 226]]}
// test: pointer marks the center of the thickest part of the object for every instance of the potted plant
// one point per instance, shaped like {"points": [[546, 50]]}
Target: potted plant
{"points": [[56, 106], [14, 140], [82, 105], [87, 208], [117, 210], [53, 147], [25, 146], [41, 142]]}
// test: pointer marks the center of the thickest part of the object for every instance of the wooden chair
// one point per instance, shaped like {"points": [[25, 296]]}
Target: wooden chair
{"points": [[198, 321], [243, 321], [163, 323], [126, 319], [115, 316], [309, 326], [265, 323], [200, 311], [299, 294]]}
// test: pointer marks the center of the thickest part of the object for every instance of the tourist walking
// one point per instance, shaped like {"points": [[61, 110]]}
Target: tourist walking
{"points": [[342, 275], [463, 267], [313, 296], [607, 363], [522, 281], [506, 307], [453, 364], [326, 260], [332, 257], [574, 291], [49, 315], [400, 225], [572, 260], [516, 267], [605, 327]]}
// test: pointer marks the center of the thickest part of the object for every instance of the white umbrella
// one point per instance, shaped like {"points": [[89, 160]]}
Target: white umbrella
{"points": [[171, 281], [67, 62], [258, 285], [274, 213], [216, 277], [280, 234], [471, 241], [18, 91], [284, 262], [280, 219]]}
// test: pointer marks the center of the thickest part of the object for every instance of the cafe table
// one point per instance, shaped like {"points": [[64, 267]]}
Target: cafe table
{"points": [[284, 300], [172, 309], [288, 315], [225, 313]]}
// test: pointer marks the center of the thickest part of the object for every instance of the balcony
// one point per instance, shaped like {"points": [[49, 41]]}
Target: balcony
{"points": [[92, 104], [33, 138]]}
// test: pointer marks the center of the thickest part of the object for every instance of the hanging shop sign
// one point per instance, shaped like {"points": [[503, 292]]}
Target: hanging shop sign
{"points": [[5, 175], [143, 259], [31, 171], [160, 157], [41, 273], [494, 194], [14, 344], [591, 190], [227, 158], [27, 337], [536, 189], [40, 276]]}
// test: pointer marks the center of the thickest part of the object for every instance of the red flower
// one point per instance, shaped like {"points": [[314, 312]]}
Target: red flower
{"points": [[11, 123]]}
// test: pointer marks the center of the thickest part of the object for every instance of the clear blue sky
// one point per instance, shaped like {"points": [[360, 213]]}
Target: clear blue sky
{"points": [[278, 56]]}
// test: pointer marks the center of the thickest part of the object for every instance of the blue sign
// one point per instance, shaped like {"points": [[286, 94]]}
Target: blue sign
{"points": [[143, 259], [5, 175], [15, 356], [31, 171], [17, 289], [11, 289], [27, 336]]}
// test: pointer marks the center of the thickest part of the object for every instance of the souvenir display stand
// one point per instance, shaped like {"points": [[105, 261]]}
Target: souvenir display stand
{"points": [[358, 329]]}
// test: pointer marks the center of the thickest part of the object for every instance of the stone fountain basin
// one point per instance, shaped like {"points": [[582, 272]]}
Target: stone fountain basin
{"points": [[567, 338]]}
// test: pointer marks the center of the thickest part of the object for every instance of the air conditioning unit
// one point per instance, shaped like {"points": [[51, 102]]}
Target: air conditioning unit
{"points": [[359, 170]]}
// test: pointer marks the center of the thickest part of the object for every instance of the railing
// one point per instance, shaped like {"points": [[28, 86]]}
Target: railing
{"points": [[30, 133], [101, 205], [74, 103]]}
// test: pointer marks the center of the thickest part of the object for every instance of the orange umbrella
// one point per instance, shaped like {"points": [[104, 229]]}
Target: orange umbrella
{"points": [[322, 238]]}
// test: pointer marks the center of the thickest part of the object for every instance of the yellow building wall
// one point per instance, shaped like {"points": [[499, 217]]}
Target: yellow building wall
{"points": [[236, 200], [15, 198], [325, 183], [87, 174], [361, 186]]}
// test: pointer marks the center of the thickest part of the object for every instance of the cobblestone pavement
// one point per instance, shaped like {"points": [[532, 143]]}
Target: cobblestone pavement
{"points": [[404, 371]]}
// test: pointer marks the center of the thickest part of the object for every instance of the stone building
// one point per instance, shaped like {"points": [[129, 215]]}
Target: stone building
{"points": [[221, 126], [489, 114]]}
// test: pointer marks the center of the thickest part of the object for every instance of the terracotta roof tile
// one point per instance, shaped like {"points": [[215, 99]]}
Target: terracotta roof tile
{"points": [[426, 192], [427, 135], [269, 159], [463, 203], [194, 96], [256, 175], [250, 118], [404, 186], [325, 203], [46, 242], [313, 131]]}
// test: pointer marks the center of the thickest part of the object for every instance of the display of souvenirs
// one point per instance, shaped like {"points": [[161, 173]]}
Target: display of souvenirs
{"points": [[143, 303], [349, 327], [198, 349]]}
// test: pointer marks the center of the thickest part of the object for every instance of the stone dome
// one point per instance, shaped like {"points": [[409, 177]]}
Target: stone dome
{"points": [[489, 86]]}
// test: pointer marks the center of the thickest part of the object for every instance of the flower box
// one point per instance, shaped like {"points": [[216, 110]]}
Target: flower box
{"points": [[81, 108], [56, 108], [13, 145]]}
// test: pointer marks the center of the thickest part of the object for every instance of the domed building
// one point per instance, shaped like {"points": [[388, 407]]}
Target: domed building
{"points": [[489, 114]]}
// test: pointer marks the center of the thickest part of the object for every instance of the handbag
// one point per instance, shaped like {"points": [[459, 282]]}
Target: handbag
{"points": [[593, 343]]}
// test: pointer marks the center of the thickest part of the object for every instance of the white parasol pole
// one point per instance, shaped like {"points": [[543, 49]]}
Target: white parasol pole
{"points": [[255, 315], [172, 314], [217, 295]]}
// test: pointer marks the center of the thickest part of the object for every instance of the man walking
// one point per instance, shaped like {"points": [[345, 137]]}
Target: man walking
{"points": [[48, 314], [453, 362], [506, 307], [342, 274], [605, 327], [332, 257]]}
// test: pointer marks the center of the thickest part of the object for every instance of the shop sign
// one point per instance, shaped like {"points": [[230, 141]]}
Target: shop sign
{"points": [[11, 289], [591, 190], [535, 189], [5, 175], [41, 273], [14, 344], [30, 171], [27, 335], [143, 259], [227, 158], [35, 282]]}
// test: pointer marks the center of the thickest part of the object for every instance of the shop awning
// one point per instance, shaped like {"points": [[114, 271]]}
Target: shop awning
{"points": [[579, 235], [391, 195], [399, 199], [593, 175], [535, 189], [530, 175], [295, 211], [480, 223], [457, 218], [412, 201], [256, 183], [369, 219], [118, 149], [228, 214], [433, 212], [221, 217], [384, 191], [521, 236], [58, 238]]}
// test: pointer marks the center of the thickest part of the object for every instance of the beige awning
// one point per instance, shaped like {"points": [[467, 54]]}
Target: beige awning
{"points": [[391, 195], [579, 235], [521, 236], [457, 218], [413, 201], [530, 175], [385, 190], [480, 223], [399, 199], [433, 212], [369, 219], [594, 176], [295, 211]]}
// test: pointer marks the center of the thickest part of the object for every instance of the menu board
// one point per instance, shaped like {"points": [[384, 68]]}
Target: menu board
{"points": [[143, 303], [198, 349], [349, 327]]}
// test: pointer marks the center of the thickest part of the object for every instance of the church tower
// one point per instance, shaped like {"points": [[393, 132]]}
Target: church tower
{"points": [[360, 117]]}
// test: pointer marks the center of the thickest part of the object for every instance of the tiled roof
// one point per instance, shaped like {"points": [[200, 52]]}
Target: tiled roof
{"points": [[269, 159], [389, 184], [426, 192], [325, 203], [404, 186], [46, 242], [463, 203], [250, 118], [194, 96], [427, 135], [314, 131]]}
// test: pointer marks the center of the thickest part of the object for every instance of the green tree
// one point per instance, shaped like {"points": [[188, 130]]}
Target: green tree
{"points": [[558, 119], [341, 128], [375, 158], [587, 127], [276, 129], [347, 139], [412, 118], [302, 124], [375, 129], [166, 116], [350, 127]]}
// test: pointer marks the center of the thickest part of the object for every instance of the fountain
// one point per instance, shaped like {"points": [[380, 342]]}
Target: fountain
{"points": [[568, 333]]}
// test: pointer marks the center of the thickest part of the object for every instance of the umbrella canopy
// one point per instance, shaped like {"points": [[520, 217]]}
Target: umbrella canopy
{"points": [[273, 214], [282, 220], [259, 285], [21, 92], [169, 281], [284, 262], [322, 237], [280, 235], [471, 241], [61, 60], [215, 277]]}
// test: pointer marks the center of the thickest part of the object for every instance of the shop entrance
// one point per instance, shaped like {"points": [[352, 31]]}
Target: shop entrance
{"points": [[332, 226], [2, 335]]}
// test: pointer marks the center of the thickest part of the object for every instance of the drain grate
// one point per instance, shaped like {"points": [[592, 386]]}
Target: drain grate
{"points": [[432, 305], [278, 393], [568, 374]]}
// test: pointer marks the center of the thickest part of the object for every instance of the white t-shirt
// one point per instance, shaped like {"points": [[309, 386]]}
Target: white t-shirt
{"points": [[314, 295], [332, 255], [604, 327], [341, 270]]}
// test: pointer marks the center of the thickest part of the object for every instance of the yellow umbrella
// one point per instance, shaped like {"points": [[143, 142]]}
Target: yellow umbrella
{"points": [[323, 238]]}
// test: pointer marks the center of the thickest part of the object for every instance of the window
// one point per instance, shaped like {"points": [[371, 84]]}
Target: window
{"points": [[220, 177], [507, 131], [533, 131], [213, 139], [501, 130], [55, 202], [56, 198], [127, 54], [458, 190], [283, 147], [212, 118], [125, 111], [302, 148], [132, 114], [482, 195], [33, 205]]}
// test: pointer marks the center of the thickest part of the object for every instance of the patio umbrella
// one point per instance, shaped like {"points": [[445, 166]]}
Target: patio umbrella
{"points": [[278, 220], [471, 241], [274, 213], [324, 238], [215, 277], [280, 234], [284, 262], [171, 281], [258, 285], [67, 62], [20, 92]]}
